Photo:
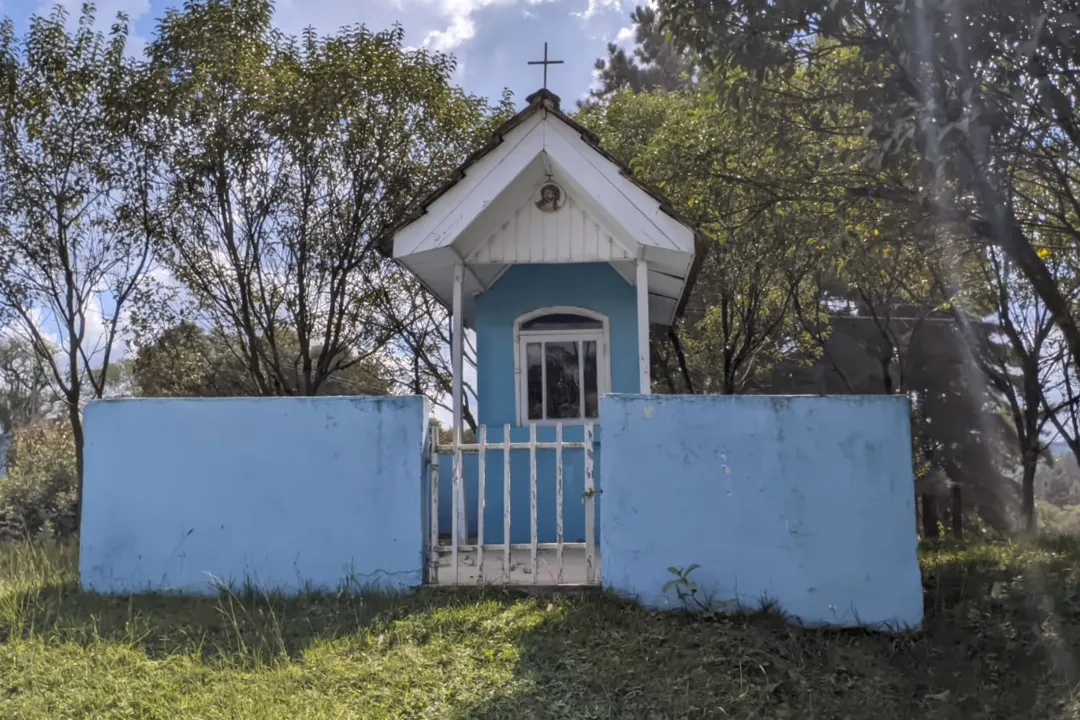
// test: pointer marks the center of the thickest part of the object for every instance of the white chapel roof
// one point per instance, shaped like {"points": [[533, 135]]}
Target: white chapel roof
{"points": [[485, 215]]}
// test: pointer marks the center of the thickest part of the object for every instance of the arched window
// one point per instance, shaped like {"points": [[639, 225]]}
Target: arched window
{"points": [[562, 365]]}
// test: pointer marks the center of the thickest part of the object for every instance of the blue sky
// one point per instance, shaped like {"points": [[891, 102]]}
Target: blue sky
{"points": [[492, 39]]}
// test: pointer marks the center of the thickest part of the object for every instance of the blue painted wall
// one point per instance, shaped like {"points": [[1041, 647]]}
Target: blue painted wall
{"points": [[285, 493], [523, 289], [807, 501]]}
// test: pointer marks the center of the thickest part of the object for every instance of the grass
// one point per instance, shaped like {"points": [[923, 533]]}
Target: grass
{"points": [[1001, 641]]}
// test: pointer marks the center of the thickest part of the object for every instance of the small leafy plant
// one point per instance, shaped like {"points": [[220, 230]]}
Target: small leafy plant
{"points": [[686, 589], [689, 594]]}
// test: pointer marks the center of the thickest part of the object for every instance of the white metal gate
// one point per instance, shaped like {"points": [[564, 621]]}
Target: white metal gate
{"points": [[458, 562]]}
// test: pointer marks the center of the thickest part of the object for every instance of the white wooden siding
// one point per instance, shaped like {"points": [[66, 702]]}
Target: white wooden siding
{"points": [[567, 236]]}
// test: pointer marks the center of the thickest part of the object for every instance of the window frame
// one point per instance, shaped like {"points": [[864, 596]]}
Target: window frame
{"points": [[601, 335]]}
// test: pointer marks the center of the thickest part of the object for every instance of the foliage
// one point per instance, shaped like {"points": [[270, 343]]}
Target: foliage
{"points": [[288, 159], [1001, 627], [708, 161], [38, 494], [830, 273], [186, 361], [689, 594], [76, 198], [25, 392], [653, 64], [982, 93]]}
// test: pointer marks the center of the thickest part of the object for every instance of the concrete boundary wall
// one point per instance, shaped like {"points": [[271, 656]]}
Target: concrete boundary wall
{"points": [[807, 502], [286, 494]]}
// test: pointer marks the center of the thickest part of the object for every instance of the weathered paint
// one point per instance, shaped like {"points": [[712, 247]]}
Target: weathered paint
{"points": [[482, 460], [558, 498], [520, 500], [432, 497], [532, 499], [805, 501], [507, 504], [590, 505], [280, 493]]}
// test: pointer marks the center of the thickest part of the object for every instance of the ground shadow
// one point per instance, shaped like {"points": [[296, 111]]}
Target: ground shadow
{"points": [[1001, 640]]}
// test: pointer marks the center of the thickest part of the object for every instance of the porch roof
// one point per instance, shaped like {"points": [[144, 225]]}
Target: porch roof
{"points": [[466, 218]]}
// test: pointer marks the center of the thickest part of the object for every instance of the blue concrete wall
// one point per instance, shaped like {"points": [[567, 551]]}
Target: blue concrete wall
{"points": [[283, 493], [806, 501], [523, 289], [520, 529]]}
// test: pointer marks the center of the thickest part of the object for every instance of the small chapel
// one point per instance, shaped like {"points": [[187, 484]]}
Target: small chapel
{"points": [[560, 261]]}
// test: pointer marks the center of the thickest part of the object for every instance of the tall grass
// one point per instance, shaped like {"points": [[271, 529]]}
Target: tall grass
{"points": [[1001, 639]]}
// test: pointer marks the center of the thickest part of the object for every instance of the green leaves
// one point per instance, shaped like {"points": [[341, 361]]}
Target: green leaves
{"points": [[287, 158]]}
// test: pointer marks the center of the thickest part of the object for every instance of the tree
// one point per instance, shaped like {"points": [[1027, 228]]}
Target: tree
{"points": [[653, 64], [807, 289], [186, 361], [25, 392], [979, 91], [75, 243], [880, 324], [1021, 367], [418, 357], [183, 361], [716, 168], [287, 159]]}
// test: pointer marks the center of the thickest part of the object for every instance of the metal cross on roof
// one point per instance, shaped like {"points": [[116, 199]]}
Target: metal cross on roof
{"points": [[545, 62]]}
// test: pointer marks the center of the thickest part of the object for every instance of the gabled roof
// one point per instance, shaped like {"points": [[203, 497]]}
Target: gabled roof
{"points": [[445, 230]]}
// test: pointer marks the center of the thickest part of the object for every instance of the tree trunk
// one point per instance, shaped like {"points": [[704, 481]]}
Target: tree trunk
{"points": [[77, 434], [957, 511], [1031, 464], [929, 515], [1007, 233], [681, 356], [945, 514]]}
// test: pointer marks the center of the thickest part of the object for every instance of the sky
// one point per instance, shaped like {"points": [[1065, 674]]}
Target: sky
{"points": [[493, 40]]}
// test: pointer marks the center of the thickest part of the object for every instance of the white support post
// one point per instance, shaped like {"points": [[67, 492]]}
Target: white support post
{"points": [[434, 549], [559, 499], [456, 518], [532, 501], [461, 529], [481, 494], [590, 508], [642, 287], [506, 503]]}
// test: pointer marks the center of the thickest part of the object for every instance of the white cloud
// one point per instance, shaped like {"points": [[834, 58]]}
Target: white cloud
{"points": [[460, 27], [625, 36], [596, 6], [458, 15]]}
